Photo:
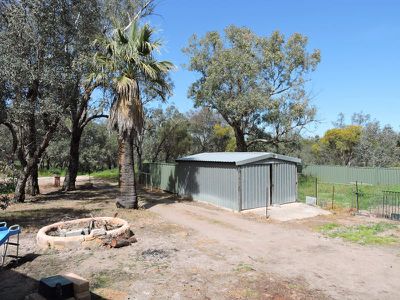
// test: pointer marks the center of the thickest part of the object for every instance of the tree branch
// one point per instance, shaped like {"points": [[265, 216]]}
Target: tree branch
{"points": [[92, 118], [138, 14]]}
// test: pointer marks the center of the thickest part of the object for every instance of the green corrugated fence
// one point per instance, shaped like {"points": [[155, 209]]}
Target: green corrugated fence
{"points": [[163, 176], [342, 174]]}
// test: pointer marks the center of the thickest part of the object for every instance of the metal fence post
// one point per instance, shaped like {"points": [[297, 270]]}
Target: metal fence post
{"points": [[357, 205], [333, 194], [316, 191]]}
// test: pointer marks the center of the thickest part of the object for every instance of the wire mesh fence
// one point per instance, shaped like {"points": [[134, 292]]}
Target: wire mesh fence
{"points": [[373, 199]]}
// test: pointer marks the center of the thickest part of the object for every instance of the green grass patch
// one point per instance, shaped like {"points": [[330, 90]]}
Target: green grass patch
{"points": [[371, 234], [101, 280], [111, 174], [328, 227], [243, 268], [51, 172]]}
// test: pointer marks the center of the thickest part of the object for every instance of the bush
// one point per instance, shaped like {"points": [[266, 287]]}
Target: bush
{"points": [[7, 187], [4, 201]]}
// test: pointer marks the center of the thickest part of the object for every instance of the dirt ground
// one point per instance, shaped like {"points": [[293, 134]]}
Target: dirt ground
{"points": [[189, 250]]}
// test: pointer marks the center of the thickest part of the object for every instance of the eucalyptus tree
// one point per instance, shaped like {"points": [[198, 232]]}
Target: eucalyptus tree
{"points": [[257, 84], [378, 146], [37, 79], [168, 135], [209, 132], [127, 62]]}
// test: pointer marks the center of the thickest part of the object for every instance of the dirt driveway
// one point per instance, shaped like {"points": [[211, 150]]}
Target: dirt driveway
{"points": [[188, 250], [338, 268]]}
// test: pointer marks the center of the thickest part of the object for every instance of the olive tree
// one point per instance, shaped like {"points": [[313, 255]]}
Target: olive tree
{"points": [[36, 79]]}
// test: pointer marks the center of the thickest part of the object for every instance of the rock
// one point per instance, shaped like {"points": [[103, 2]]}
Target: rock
{"points": [[83, 296], [81, 285], [98, 232]]}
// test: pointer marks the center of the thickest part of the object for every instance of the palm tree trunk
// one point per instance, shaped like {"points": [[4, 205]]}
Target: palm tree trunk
{"points": [[127, 185]]}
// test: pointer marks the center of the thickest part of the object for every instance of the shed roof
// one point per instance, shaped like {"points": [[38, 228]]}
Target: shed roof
{"points": [[238, 158]]}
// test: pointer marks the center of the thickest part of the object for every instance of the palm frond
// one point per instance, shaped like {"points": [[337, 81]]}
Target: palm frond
{"points": [[128, 59], [127, 111]]}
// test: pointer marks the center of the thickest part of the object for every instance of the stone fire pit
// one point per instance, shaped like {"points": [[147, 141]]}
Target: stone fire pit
{"points": [[81, 232]]}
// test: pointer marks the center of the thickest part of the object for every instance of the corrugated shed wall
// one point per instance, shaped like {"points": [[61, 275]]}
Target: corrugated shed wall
{"points": [[342, 174], [284, 179], [213, 183], [255, 186], [218, 183]]}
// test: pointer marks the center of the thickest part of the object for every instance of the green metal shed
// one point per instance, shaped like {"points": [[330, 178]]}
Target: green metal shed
{"points": [[238, 180]]}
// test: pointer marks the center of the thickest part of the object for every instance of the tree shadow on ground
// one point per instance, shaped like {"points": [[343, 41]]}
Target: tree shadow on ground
{"points": [[91, 195], [150, 198], [37, 218], [15, 285]]}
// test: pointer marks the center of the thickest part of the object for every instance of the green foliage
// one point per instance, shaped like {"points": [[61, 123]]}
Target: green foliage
{"points": [[224, 135], [8, 174], [168, 135], [6, 151], [255, 83], [339, 144], [209, 132], [372, 234], [378, 146], [6, 187], [363, 142], [4, 201], [43, 55], [98, 150], [126, 60]]}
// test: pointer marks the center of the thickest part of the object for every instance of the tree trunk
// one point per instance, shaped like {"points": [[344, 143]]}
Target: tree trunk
{"points": [[241, 145], [127, 197], [32, 183], [19, 195], [32, 186], [73, 164]]}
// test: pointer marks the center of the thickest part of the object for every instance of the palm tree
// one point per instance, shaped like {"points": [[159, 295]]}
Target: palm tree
{"points": [[128, 61]]}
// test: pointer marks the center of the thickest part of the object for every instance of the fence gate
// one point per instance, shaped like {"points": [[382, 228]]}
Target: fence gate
{"points": [[391, 205]]}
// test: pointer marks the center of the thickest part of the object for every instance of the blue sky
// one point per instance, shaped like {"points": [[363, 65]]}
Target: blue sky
{"points": [[359, 43]]}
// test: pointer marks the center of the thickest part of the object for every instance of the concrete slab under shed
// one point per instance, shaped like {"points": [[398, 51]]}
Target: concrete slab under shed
{"points": [[290, 211]]}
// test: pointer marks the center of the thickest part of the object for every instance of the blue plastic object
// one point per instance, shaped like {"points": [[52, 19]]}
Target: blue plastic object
{"points": [[5, 234], [3, 226]]}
